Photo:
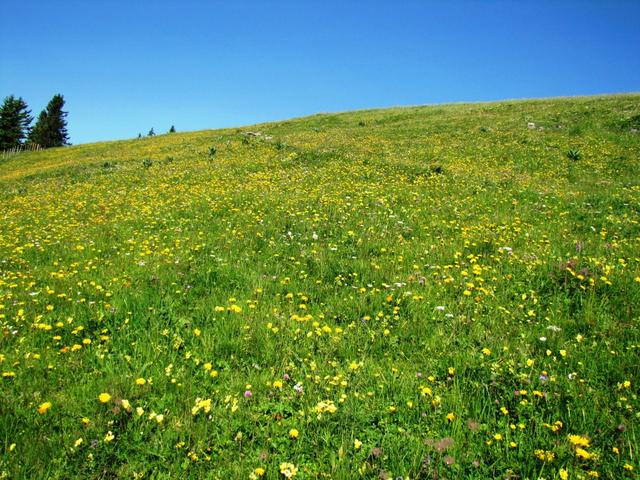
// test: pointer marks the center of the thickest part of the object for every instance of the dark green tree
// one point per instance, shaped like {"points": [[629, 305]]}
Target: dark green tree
{"points": [[172, 129], [51, 128], [151, 133], [15, 118]]}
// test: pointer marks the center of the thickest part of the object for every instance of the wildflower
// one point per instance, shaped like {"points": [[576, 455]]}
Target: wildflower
{"points": [[277, 384], [104, 397], [426, 391], [564, 475], [259, 472], [288, 470], [583, 454], [486, 351], [293, 433], [628, 467], [357, 444], [497, 437], [248, 394], [544, 455], [201, 404], [578, 440], [78, 442], [140, 381], [139, 411], [451, 416], [44, 408], [109, 436]]}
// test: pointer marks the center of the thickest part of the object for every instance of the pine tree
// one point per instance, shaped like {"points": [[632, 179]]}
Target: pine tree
{"points": [[51, 128], [15, 118], [151, 133], [172, 129]]}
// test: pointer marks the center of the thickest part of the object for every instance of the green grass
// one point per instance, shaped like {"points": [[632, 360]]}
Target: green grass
{"points": [[425, 292]]}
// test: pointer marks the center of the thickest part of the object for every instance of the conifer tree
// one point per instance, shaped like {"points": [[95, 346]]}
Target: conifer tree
{"points": [[51, 128], [15, 118]]}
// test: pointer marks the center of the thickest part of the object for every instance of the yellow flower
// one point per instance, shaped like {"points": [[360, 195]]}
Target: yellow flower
{"points": [[104, 397], [582, 453], [140, 381], [259, 472], [277, 384], [564, 475], [497, 437], [486, 351], [544, 455], [357, 444], [293, 433], [109, 436], [578, 440], [43, 408], [289, 470], [451, 416]]}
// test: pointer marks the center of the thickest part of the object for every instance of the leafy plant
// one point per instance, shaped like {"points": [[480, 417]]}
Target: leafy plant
{"points": [[574, 155]]}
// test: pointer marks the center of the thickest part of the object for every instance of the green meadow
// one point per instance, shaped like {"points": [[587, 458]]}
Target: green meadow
{"points": [[432, 292]]}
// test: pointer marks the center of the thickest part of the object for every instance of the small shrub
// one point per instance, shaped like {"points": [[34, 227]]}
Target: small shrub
{"points": [[212, 151], [147, 163], [362, 124]]}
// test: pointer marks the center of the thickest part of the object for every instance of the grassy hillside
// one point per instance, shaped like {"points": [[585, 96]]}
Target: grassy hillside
{"points": [[429, 292]]}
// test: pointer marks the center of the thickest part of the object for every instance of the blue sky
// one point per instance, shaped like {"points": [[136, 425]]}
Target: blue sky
{"points": [[127, 66]]}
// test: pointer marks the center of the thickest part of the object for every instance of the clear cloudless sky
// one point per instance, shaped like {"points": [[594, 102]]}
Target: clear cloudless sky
{"points": [[126, 66]]}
